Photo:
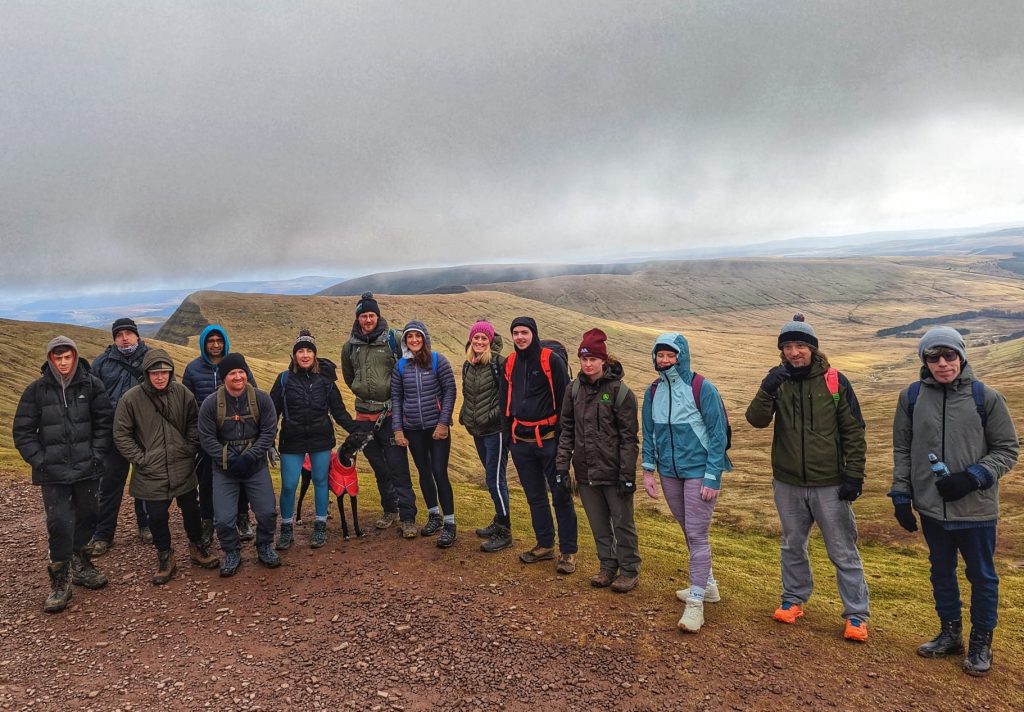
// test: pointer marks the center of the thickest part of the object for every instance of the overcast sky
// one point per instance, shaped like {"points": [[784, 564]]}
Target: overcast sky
{"points": [[184, 142]]}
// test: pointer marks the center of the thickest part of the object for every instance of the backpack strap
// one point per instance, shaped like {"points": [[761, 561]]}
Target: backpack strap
{"points": [[401, 366], [912, 393], [695, 387], [510, 362], [433, 362], [545, 366], [222, 407], [832, 381], [284, 393], [978, 392], [652, 389]]}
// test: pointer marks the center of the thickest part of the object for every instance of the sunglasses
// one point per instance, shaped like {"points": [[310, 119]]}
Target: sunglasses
{"points": [[933, 356]]}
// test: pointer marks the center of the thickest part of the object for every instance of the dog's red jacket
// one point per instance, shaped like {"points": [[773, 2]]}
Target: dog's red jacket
{"points": [[340, 479]]}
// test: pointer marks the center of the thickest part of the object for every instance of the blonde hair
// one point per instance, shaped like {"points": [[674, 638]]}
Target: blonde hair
{"points": [[483, 359]]}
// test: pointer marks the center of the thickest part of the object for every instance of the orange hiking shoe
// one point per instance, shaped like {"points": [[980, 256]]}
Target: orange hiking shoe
{"points": [[788, 612], [856, 629]]}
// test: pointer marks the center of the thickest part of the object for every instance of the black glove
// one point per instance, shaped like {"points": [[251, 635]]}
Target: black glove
{"points": [[562, 480], [957, 485], [775, 378], [905, 516], [850, 488], [626, 488], [243, 465]]}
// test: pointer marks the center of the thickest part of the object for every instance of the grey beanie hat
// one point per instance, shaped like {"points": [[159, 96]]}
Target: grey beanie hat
{"points": [[798, 331], [942, 336]]}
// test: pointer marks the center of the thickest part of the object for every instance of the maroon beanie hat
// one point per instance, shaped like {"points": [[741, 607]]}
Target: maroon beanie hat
{"points": [[593, 345], [482, 327]]}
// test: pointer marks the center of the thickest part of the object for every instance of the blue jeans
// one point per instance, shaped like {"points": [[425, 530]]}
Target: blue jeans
{"points": [[977, 547], [493, 452], [536, 468], [291, 469]]}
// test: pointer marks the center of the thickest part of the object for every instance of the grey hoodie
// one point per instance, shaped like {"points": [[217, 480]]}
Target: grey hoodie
{"points": [[946, 421]]}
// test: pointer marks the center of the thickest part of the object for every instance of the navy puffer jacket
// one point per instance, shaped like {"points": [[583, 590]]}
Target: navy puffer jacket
{"points": [[119, 372], [63, 432], [306, 401], [421, 398]]}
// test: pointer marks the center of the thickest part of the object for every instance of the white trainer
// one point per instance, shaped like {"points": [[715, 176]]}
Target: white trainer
{"points": [[711, 594], [693, 616]]}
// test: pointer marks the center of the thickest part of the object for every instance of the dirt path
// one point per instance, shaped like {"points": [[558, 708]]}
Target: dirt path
{"points": [[385, 624]]}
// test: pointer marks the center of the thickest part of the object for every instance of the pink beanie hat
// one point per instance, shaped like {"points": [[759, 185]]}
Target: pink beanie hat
{"points": [[482, 327]]}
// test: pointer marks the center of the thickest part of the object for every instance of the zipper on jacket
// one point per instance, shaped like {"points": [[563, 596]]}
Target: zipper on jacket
{"points": [[671, 436], [943, 441], [419, 392], [803, 454]]}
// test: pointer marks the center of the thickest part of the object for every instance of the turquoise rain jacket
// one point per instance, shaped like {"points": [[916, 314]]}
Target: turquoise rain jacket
{"points": [[678, 439]]}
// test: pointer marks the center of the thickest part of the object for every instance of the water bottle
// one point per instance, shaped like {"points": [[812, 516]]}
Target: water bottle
{"points": [[939, 468]]}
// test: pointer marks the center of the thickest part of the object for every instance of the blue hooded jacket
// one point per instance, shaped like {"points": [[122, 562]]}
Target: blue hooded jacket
{"points": [[678, 439], [200, 375]]}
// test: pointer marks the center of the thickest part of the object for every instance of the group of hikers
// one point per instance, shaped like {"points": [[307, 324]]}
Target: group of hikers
{"points": [[208, 442]]}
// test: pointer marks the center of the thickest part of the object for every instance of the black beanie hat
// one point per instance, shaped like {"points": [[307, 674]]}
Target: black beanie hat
{"points": [[526, 321], [122, 324], [229, 363], [367, 303], [304, 340]]}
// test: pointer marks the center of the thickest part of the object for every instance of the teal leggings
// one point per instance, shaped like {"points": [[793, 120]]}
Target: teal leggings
{"points": [[291, 468]]}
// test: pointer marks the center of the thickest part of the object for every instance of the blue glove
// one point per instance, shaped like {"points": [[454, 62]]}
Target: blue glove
{"points": [[956, 486]]}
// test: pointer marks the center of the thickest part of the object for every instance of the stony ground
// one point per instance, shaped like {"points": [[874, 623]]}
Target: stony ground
{"points": [[385, 624]]}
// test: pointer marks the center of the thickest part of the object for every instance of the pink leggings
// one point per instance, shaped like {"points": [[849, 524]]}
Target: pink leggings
{"points": [[694, 517]]}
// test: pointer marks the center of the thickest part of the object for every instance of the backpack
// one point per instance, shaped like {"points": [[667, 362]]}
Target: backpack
{"points": [[695, 387], [494, 370], [222, 406], [547, 349], [559, 349], [977, 392], [433, 364]]}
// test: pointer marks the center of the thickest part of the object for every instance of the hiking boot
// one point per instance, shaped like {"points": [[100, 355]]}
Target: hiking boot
{"points": [[386, 520], [199, 554], [501, 539], [245, 532], [145, 535], [566, 564], [165, 567], [488, 531], [285, 538], [60, 586], [447, 537], [537, 553], [83, 573], [624, 583], [408, 530], [949, 641], [979, 653], [693, 616], [856, 630], [602, 579], [99, 547], [267, 556], [319, 536], [207, 537], [711, 594], [788, 612], [433, 525], [232, 560]]}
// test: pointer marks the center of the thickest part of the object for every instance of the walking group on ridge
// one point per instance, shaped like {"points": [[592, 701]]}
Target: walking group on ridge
{"points": [[208, 443]]}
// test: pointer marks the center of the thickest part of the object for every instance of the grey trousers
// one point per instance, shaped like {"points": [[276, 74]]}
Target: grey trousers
{"points": [[799, 508], [611, 520], [260, 491]]}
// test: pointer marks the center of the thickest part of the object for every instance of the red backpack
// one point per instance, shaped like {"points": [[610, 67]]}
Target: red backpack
{"points": [[545, 366]]}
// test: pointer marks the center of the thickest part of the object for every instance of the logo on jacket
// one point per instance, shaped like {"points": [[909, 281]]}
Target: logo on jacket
{"points": [[605, 397]]}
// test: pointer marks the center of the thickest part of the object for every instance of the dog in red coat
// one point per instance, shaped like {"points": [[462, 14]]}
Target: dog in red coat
{"points": [[341, 478]]}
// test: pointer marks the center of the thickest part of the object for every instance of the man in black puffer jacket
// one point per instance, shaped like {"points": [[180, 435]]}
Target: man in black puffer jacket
{"points": [[119, 368], [61, 427]]}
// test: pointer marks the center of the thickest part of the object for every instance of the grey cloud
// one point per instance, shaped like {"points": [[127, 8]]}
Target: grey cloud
{"points": [[204, 140]]}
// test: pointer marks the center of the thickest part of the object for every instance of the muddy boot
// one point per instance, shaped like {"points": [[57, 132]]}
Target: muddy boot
{"points": [[60, 587], [145, 535], [267, 556], [319, 537], [232, 560], [245, 532], [83, 573], [979, 653], [285, 539], [949, 641], [501, 539], [165, 567], [488, 531], [433, 525], [199, 554], [207, 538], [448, 535]]}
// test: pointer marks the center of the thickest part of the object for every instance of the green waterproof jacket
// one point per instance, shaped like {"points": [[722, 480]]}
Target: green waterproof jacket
{"points": [[817, 440], [158, 432], [483, 393], [366, 365]]}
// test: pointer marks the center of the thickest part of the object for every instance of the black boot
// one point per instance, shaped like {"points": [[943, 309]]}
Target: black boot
{"points": [[979, 653], [60, 587], [501, 539], [488, 531], [949, 641], [165, 567], [83, 573], [207, 537]]}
